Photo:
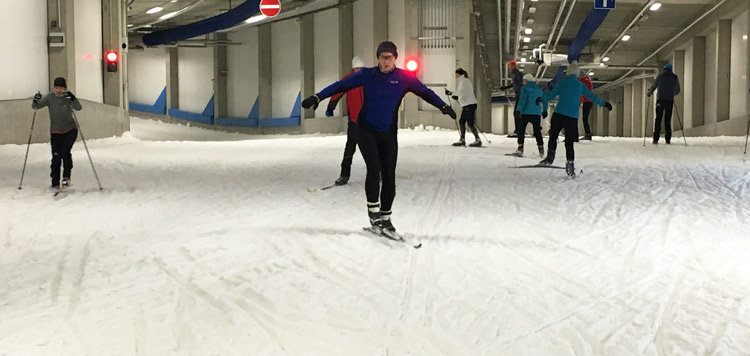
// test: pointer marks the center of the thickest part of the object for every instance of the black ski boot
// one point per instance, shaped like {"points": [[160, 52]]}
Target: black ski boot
{"points": [[387, 225], [460, 143], [549, 159], [541, 150], [476, 143], [341, 181], [519, 151], [66, 182], [570, 169], [586, 138]]}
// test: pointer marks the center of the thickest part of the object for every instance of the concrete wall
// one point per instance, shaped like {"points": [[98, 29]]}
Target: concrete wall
{"points": [[364, 43], [88, 50], [97, 121], [195, 68], [709, 109], [242, 79], [286, 73], [738, 61], [23, 64], [327, 61], [147, 75]]}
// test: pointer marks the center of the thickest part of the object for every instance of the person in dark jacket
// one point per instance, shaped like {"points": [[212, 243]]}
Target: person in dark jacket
{"points": [[587, 105], [565, 117], [63, 128], [354, 100], [668, 85], [384, 86], [516, 83]]}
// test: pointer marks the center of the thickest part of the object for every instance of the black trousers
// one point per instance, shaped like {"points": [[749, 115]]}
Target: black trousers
{"points": [[663, 107], [586, 111], [517, 116], [468, 116], [570, 124], [380, 152], [61, 146], [536, 124], [349, 150]]}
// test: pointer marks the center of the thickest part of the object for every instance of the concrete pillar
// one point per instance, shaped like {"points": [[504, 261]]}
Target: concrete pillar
{"points": [[114, 38], [637, 109], [379, 22], [265, 75], [346, 43], [627, 110], [465, 25], [411, 19], [173, 79], [619, 120], [307, 61], [747, 76], [695, 81], [723, 63], [593, 118], [221, 70], [649, 107], [62, 59], [609, 116]]}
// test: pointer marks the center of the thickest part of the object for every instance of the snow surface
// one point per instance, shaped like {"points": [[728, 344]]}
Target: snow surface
{"points": [[214, 246]]}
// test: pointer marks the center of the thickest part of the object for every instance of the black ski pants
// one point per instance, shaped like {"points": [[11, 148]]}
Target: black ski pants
{"points": [[570, 124], [468, 116], [349, 150], [663, 107], [536, 124], [517, 116], [380, 152], [586, 111], [62, 143]]}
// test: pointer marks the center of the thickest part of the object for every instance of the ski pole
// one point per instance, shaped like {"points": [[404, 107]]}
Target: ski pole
{"points": [[680, 121], [87, 150], [748, 133], [482, 132], [28, 145], [645, 123], [454, 120]]}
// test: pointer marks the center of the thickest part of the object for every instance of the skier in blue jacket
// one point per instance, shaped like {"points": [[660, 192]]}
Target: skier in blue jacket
{"points": [[384, 86], [565, 117], [531, 113]]}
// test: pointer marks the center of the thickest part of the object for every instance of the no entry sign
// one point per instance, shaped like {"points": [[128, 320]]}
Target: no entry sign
{"points": [[270, 8]]}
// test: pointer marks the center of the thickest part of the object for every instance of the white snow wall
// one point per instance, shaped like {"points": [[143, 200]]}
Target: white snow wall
{"points": [[88, 50], [147, 74], [23, 64]]}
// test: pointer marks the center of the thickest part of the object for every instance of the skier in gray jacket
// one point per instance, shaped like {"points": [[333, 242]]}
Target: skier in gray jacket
{"points": [[63, 128]]}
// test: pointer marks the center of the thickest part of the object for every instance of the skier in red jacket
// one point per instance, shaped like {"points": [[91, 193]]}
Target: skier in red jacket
{"points": [[587, 105], [354, 100]]}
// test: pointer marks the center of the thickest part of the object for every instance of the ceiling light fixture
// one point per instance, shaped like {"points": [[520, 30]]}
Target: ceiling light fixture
{"points": [[591, 73], [530, 20], [169, 15], [523, 59], [527, 39], [528, 30], [532, 9], [655, 6], [256, 18], [154, 10], [626, 37], [605, 59]]}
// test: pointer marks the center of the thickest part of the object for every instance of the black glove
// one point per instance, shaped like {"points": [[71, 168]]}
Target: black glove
{"points": [[69, 95], [608, 106], [649, 94], [544, 115], [447, 110], [506, 87], [448, 92], [455, 97], [329, 110], [539, 100], [311, 102], [37, 96]]}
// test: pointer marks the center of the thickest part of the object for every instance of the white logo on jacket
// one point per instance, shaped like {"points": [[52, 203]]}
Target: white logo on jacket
{"points": [[394, 81]]}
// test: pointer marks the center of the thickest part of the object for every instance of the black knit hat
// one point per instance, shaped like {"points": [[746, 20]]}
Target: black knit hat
{"points": [[461, 71], [387, 46], [60, 82]]}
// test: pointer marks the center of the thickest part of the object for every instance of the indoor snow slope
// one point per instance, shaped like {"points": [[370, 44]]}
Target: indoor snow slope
{"points": [[209, 243]]}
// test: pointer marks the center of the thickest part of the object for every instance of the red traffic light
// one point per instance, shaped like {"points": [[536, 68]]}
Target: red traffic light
{"points": [[412, 65], [111, 56]]}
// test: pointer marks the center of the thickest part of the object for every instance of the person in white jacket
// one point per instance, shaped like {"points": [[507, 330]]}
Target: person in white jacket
{"points": [[465, 96]]}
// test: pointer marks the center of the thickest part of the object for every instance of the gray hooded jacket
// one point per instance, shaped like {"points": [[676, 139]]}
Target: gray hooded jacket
{"points": [[60, 112]]}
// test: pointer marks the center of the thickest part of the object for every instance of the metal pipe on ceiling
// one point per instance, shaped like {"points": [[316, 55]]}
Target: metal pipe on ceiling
{"points": [[500, 38], [508, 17], [565, 23], [552, 33], [519, 15], [627, 28], [618, 80]]}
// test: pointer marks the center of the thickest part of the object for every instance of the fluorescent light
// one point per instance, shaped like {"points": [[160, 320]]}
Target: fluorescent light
{"points": [[169, 15], [655, 6], [527, 39], [523, 59], [173, 1], [626, 37], [530, 20], [605, 59], [532, 9], [744, 37], [130, 25], [534, 0], [256, 18], [527, 30], [601, 64], [591, 73], [154, 10]]}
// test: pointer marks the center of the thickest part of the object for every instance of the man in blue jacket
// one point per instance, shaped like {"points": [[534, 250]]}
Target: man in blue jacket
{"points": [[565, 117], [531, 113], [669, 85], [384, 86]]}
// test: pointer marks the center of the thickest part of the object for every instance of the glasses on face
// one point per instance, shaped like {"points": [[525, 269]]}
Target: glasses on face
{"points": [[387, 58]]}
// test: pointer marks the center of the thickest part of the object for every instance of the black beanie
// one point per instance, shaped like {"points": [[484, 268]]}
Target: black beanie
{"points": [[461, 71], [60, 82], [387, 46]]}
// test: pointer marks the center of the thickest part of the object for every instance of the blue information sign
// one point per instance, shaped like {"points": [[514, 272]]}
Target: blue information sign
{"points": [[604, 4]]}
